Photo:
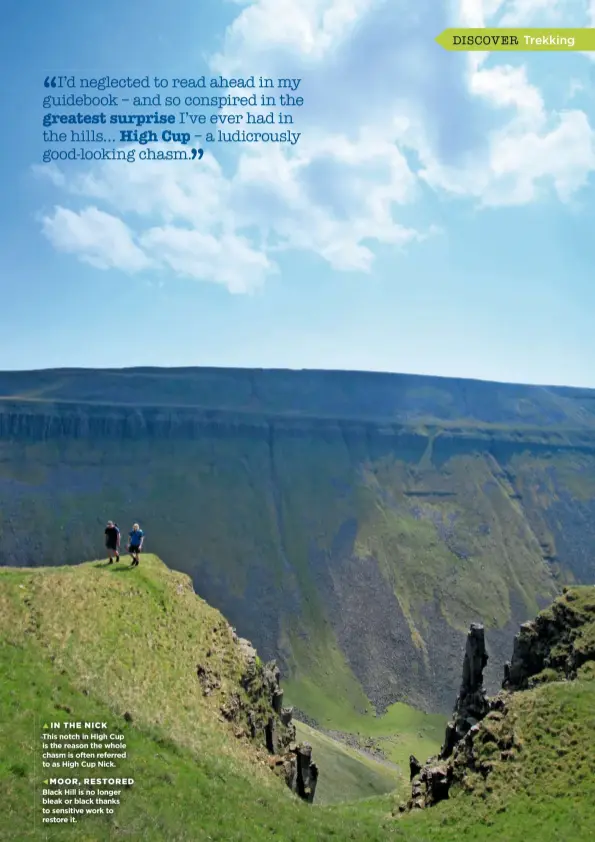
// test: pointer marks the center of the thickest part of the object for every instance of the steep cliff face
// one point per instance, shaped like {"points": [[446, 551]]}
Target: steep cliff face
{"points": [[260, 715], [299, 500]]}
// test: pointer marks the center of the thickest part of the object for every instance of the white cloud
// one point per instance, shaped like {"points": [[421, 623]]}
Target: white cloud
{"points": [[508, 87], [566, 154], [228, 259], [387, 115], [487, 170], [105, 242], [519, 13], [532, 147], [191, 219], [311, 28], [475, 13], [102, 240], [523, 158]]}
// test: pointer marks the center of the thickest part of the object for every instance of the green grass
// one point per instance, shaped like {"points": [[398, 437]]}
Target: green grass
{"points": [[180, 794], [545, 793], [347, 774], [545, 788], [132, 638], [98, 642], [403, 731], [399, 732], [322, 684], [419, 565]]}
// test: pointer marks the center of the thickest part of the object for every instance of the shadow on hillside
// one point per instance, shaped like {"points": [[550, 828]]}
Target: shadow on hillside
{"points": [[117, 567]]}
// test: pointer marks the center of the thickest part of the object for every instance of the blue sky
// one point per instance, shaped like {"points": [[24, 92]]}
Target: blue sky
{"points": [[436, 217]]}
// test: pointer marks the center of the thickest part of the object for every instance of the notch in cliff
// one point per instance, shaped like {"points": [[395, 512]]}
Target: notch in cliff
{"points": [[499, 741]]}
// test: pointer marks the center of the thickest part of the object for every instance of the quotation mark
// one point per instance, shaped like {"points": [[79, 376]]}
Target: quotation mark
{"points": [[199, 152], [50, 83]]}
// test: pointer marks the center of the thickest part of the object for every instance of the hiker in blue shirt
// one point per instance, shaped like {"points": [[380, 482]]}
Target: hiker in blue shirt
{"points": [[135, 543]]}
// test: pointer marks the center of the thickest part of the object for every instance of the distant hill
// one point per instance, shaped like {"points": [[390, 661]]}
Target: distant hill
{"points": [[307, 393], [351, 524]]}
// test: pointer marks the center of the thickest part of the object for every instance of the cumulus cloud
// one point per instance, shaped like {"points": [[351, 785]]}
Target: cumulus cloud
{"points": [[388, 115], [312, 28], [102, 240], [196, 235]]}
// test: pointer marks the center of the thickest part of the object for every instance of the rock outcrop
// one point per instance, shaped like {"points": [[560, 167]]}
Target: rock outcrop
{"points": [[298, 769], [414, 767], [471, 704], [430, 786], [553, 647], [258, 714], [431, 782], [477, 720]]}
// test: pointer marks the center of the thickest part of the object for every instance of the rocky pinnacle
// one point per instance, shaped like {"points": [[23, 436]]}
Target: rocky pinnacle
{"points": [[471, 704]]}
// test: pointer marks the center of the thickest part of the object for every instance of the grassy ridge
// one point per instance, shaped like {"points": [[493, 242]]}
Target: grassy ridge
{"points": [[181, 794], [339, 394], [98, 642], [93, 642]]}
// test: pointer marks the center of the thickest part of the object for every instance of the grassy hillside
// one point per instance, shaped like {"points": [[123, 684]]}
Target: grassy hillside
{"points": [[545, 793], [108, 642], [529, 771], [97, 642], [347, 774]]}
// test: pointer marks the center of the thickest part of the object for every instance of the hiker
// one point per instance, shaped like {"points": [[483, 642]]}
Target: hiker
{"points": [[112, 541], [135, 543]]}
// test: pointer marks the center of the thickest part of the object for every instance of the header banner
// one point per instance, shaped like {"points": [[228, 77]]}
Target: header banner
{"points": [[518, 40]]}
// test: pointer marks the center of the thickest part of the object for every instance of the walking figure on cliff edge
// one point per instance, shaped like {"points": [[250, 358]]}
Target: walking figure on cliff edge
{"points": [[112, 541], [135, 543]]}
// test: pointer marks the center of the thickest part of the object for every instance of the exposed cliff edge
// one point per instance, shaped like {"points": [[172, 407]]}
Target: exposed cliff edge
{"points": [[261, 716], [37, 421], [557, 644], [483, 737]]}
